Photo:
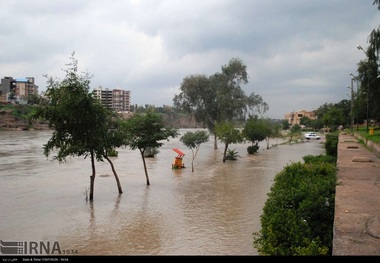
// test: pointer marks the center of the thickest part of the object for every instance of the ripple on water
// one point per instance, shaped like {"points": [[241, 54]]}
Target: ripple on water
{"points": [[211, 211]]}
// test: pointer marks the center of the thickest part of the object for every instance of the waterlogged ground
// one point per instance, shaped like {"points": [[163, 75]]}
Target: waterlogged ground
{"points": [[211, 211]]}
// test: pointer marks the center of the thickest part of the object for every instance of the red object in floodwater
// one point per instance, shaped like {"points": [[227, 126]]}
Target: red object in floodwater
{"points": [[180, 154], [178, 160]]}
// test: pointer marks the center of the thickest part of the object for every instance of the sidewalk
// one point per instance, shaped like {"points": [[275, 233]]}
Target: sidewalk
{"points": [[357, 200]]}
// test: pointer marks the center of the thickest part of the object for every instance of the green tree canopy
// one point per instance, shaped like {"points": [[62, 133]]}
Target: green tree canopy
{"points": [[285, 124], [334, 117], [228, 134], [143, 131], [255, 130], [81, 125], [193, 140], [295, 131], [219, 97], [368, 100]]}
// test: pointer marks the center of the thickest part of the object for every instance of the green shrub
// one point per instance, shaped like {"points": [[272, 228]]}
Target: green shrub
{"points": [[331, 144], [298, 215], [232, 154], [253, 149], [151, 152], [113, 153], [320, 159]]}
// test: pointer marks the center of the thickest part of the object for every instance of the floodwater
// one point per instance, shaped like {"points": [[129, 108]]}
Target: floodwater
{"points": [[211, 211]]}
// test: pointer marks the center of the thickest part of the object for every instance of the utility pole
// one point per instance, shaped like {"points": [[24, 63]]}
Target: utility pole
{"points": [[352, 104]]}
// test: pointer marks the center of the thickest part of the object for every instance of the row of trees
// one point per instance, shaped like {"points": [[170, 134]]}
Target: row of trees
{"points": [[367, 99], [255, 130], [83, 127], [329, 115]]}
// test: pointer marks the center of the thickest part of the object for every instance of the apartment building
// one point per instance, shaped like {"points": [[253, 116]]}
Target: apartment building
{"points": [[17, 90], [296, 116], [117, 99]]}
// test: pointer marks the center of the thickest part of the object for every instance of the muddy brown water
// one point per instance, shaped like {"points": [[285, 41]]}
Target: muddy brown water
{"points": [[211, 211]]}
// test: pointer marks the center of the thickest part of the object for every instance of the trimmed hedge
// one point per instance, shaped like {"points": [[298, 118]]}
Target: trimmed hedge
{"points": [[331, 144], [298, 215]]}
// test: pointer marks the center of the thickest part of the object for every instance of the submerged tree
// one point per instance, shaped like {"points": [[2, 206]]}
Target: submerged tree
{"points": [[81, 125], [145, 131], [198, 97], [255, 131], [228, 134], [259, 129], [193, 140], [219, 97], [295, 132]]}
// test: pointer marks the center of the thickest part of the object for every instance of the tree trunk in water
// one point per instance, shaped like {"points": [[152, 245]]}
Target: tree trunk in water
{"points": [[225, 152], [115, 174], [215, 142], [146, 171], [92, 177]]}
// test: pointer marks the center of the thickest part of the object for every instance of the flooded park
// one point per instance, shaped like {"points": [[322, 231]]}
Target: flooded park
{"points": [[211, 211]]}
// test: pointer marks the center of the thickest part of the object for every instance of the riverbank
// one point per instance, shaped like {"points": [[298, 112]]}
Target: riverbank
{"points": [[19, 117], [357, 210], [373, 146]]}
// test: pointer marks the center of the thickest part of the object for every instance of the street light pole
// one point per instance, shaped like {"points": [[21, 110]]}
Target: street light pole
{"points": [[360, 48], [355, 78], [352, 104], [367, 102]]}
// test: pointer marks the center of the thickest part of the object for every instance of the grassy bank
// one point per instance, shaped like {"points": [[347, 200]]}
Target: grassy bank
{"points": [[362, 131]]}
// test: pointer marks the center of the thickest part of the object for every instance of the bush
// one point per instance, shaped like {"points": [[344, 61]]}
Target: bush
{"points": [[253, 149], [298, 215], [113, 153], [320, 159], [232, 155], [331, 144], [151, 152]]}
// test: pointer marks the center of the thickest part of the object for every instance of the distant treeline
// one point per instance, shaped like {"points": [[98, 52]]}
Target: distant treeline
{"points": [[23, 113]]}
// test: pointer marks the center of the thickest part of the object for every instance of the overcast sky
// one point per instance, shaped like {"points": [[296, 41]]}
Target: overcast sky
{"points": [[298, 53]]}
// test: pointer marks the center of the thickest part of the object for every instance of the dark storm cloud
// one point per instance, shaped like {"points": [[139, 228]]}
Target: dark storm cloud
{"points": [[298, 53]]}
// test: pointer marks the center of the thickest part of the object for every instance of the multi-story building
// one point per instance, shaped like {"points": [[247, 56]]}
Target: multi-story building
{"points": [[296, 116], [104, 95], [121, 100], [5, 88], [116, 99], [17, 90]]}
